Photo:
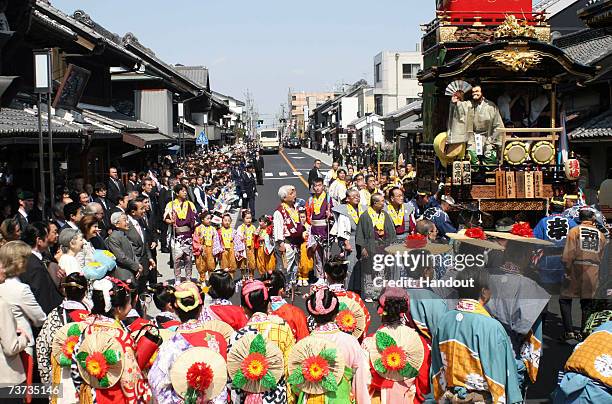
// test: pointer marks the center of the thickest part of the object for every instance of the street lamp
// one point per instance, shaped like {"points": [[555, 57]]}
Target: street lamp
{"points": [[42, 84]]}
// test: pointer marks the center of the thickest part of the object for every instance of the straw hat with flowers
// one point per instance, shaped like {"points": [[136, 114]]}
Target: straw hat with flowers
{"points": [[100, 359], [255, 365], [475, 236], [351, 317], [520, 232], [198, 374], [418, 242], [396, 353], [315, 366], [64, 341]]}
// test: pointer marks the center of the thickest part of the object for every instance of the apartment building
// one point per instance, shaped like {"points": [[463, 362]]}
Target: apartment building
{"points": [[395, 80], [301, 104]]}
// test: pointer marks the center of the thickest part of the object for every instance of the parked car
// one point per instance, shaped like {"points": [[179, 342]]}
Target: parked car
{"points": [[293, 143]]}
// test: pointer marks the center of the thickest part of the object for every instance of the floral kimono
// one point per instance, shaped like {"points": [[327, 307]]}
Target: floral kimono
{"points": [[264, 246], [188, 335], [275, 329], [353, 388], [226, 311], [132, 386], [206, 246], [472, 357], [247, 262]]}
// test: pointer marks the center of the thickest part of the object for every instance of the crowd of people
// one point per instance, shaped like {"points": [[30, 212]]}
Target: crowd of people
{"points": [[459, 311]]}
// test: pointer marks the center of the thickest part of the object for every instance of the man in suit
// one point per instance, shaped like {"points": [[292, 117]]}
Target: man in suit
{"points": [[73, 214], [128, 265], [26, 203], [150, 227], [200, 194], [100, 198], [209, 202], [259, 167], [138, 238], [249, 189], [120, 204], [314, 173], [36, 275], [114, 186], [132, 184]]}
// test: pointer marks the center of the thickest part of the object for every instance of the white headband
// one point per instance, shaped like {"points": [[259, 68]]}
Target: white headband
{"points": [[105, 286]]}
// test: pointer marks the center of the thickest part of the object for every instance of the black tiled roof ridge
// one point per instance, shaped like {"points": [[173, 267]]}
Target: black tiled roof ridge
{"points": [[581, 36]]}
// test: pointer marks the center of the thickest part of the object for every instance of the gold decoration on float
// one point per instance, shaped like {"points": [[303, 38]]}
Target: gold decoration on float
{"points": [[512, 27], [517, 59]]}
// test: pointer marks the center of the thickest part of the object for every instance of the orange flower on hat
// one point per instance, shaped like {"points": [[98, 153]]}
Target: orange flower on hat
{"points": [[346, 321], [315, 369], [199, 376], [96, 365], [254, 366], [68, 347], [393, 358]]}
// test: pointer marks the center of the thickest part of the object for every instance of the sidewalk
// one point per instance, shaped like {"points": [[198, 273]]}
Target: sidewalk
{"points": [[325, 158]]}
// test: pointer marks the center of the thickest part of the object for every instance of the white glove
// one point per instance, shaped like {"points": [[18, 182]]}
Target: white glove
{"points": [[244, 195], [256, 193]]}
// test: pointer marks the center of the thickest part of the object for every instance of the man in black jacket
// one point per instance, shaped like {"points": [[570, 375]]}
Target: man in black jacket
{"points": [[259, 167], [249, 189], [314, 173], [114, 187], [36, 275]]}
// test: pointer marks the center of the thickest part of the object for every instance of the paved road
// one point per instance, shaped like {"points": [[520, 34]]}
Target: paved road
{"points": [[291, 167]]}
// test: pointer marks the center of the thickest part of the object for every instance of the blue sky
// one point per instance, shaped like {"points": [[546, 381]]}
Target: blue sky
{"points": [[267, 46]]}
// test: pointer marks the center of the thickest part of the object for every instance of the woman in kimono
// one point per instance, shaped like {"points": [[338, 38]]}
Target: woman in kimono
{"points": [[163, 298], [206, 246], [111, 304], [264, 246], [394, 311], [293, 315], [221, 288], [255, 300], [307, 249], [323, 306], [74, 308], [471, 354], [232, 246], [246, 231], [190, 333]]}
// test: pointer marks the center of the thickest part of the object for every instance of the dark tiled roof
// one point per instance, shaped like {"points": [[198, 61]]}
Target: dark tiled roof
{"points": [[19, 122], [120, 121], [597, 127], [588, 45]]}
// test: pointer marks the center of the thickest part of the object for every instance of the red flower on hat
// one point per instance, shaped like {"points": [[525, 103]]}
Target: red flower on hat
{"points": [[68, 347], [346, 321], [199, 376], [416, 241], [475, 232], [522, 229], [255, 366], [393, 358], [315, 369]]}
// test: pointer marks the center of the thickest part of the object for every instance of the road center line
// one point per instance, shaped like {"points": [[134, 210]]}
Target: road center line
{"points": [[282, 153]]}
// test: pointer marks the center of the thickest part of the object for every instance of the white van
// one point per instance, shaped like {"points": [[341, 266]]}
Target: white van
{"points": [[269, 140]]}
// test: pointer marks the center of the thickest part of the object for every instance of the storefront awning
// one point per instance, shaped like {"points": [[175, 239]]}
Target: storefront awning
{"points": [[145, 139]]}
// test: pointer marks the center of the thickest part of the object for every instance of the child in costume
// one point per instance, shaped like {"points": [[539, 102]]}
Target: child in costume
{"points": [[293, 315], [264, 245], [221, 288], [231, 245], [307, 250], [246, 231], [206, 246]]}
